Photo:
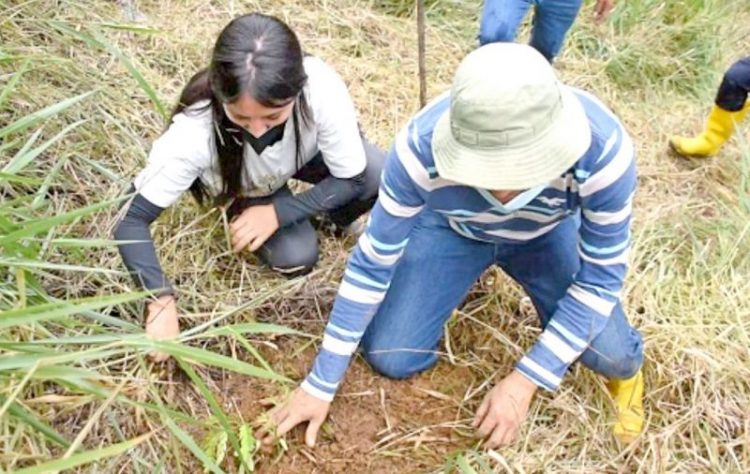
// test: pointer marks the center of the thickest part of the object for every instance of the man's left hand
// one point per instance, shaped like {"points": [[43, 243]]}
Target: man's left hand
{"points": [[504, 409], [253, 227]]}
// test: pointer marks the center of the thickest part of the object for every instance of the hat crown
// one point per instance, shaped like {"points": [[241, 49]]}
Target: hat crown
{"points": [[503, 94]]}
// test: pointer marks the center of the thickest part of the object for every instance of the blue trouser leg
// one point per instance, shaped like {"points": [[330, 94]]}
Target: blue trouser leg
{"points": [[735, 86], [545, 267], [500, 20], [552, 20], [433, 277]]}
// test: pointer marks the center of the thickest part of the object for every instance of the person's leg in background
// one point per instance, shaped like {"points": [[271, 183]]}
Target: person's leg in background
{"points": [[545, 268], [291, 250], [432, 278], [500, 20], [552, 20], [730, 108]]}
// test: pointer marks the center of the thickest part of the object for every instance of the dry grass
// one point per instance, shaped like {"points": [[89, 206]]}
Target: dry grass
{"points": [[656, 65]]}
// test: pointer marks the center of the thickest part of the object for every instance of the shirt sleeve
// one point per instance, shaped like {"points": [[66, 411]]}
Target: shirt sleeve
{"points": [[604, 240], [177, 158], [329, 194], [370, 267], [137, 247], [338, 136]]}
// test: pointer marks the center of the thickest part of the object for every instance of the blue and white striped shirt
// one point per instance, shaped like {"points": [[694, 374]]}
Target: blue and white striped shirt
{"points": [[600, 184]]}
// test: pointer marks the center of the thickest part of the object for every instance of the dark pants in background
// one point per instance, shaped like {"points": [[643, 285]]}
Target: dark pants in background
{"points": [[735, 86], [293, 249]]}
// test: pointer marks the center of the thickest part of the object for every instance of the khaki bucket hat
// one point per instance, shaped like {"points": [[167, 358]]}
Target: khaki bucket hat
{"points": [[511, 124]]}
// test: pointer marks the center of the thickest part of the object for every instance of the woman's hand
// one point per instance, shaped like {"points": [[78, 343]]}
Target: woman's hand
{"points": [[300, 407], [162, 322], [253, 227]]}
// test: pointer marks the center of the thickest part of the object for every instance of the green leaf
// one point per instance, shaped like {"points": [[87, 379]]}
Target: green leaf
{"points": [[29, 263], [213, 404], [8, 89], [209, 358], [86, 457], [24, 157], [190, 443], [17, 411], [33, 227], [56, 310], [47, 112]]}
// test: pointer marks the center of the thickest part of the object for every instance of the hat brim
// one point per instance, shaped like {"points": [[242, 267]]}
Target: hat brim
{"points": [[517, 167]]}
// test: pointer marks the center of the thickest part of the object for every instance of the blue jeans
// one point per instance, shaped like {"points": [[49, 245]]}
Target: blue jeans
{"points": [[552, 20], [437, 271]]}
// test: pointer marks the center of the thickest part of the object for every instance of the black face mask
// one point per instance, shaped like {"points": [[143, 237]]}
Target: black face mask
{"points": [[270, 137]]}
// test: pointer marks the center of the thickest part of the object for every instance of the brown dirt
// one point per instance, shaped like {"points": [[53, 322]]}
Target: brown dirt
{"points": [[376, 425]]}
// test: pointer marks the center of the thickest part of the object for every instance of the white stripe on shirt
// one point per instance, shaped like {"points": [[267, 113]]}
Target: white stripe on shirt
{"points": [[378, 258], [337, 346], [612, 171], [396, 209], [360, 295], [559, 347], [597, 303], [609, 218], [543, 373], [621, 259], [572, 338], [316, 392], [411, 163]]}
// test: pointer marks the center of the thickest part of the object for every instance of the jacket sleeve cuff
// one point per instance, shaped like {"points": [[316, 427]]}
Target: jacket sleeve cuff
{"points": [[316, 392]]}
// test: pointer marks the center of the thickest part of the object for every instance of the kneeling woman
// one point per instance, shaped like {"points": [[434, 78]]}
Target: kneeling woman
{"points": [[260, 114]]}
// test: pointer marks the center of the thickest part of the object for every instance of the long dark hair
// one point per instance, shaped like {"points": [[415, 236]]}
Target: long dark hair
{"points": [[258, 55]]}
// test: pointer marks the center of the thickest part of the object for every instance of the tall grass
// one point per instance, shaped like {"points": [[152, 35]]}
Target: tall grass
{"points": [[75, 388], [83, 90]]}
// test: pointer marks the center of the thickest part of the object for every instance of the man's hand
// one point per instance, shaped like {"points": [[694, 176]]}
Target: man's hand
{"points": [[162, 322], [504, 409], [301, 407], [602, 9], [253, 227]]}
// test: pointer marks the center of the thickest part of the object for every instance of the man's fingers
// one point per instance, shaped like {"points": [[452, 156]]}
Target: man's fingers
{"points": [[481, 411], [487, 426], [510, 436], [498, 435], [312, 431], [289, 422]]}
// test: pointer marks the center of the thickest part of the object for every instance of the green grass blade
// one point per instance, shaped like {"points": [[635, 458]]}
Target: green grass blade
{"points": [[86, 457], [36, 117], [213, 405], [21, 160], [56, 310], [203, 356], [29, 263], [19, 412], [11, 85], [190, 443], [33, 227]]}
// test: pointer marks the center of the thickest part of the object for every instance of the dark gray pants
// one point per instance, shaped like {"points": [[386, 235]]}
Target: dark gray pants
{"points": [[293, 250]]}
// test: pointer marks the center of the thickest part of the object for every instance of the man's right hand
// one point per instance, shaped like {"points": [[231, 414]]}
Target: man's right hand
{"points": [[162, 322], [299, 408]]}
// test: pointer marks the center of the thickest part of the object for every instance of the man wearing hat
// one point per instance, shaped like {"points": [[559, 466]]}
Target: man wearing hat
{"points": [[513, 169]]}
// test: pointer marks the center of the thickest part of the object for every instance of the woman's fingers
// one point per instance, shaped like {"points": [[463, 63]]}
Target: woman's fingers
{"points": [[497, 438]]}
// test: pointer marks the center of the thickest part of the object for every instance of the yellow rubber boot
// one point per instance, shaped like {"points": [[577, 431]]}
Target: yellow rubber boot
{"points": [[628, 397], [719, 127]]}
